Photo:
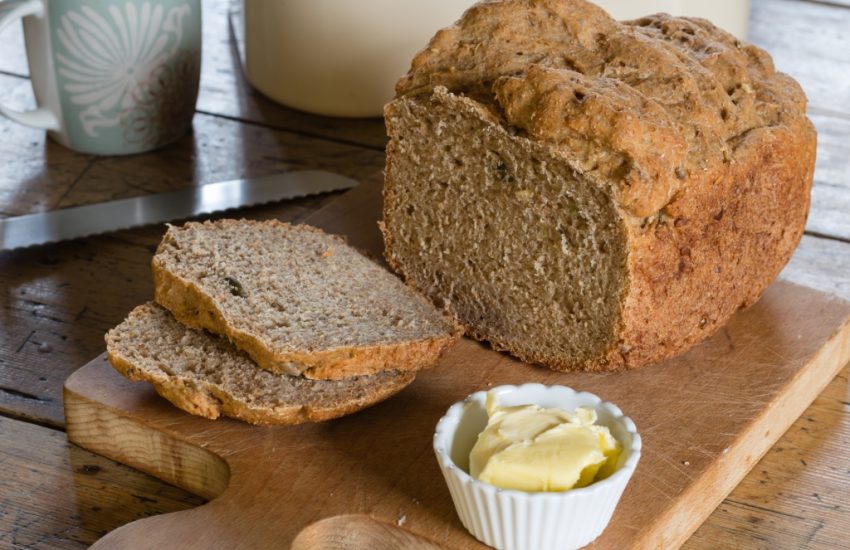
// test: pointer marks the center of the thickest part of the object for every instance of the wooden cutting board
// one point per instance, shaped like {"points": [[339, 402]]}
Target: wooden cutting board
{"points": [[370, 480]]}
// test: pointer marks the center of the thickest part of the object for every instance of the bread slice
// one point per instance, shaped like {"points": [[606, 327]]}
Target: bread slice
{"points": [[206, 376], [297, 300], [593, 194]]}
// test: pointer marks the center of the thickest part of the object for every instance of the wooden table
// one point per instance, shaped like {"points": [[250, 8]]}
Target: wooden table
{"points": [[58, 300]]}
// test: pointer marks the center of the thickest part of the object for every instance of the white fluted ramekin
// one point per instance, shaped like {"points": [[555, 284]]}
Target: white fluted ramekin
{"points": [[518, 520]]}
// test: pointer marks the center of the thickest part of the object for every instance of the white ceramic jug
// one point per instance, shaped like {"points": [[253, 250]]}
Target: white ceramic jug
{"points": [[338, 57], [730, 15]]}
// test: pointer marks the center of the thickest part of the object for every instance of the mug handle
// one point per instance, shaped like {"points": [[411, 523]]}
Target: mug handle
{"points": [[41, 117]]}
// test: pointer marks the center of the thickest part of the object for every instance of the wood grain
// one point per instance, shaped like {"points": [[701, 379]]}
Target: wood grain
{"points": [[832, 3], [13, 61], [787, 500], [36, 171], [822, 264], [219, 149], [830, 212], [355, 532], [706, 418], [54, 495], [810, 42]]}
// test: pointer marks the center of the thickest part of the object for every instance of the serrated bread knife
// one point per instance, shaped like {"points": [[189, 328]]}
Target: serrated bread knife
{"points": [[83, 221]]}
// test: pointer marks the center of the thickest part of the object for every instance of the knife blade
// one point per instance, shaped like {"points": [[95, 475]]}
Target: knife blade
{"points": [[94, 219]]}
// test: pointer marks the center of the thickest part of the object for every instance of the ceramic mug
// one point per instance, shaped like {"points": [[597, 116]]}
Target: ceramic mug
{"points": [[110, 77]]}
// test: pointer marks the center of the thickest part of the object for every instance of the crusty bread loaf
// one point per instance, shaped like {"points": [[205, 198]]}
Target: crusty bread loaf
{"points": [[589, 194], [206, 376], [297, 300]]}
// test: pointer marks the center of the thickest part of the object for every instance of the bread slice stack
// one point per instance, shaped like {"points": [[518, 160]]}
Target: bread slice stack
{"points": [[275, 324]]}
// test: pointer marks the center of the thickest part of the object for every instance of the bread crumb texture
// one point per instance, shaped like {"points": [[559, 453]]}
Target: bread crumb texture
{"points": [[296, 300], [593, 194], [206, 376]]}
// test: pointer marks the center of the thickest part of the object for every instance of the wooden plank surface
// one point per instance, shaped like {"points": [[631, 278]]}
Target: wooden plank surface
{"points": [[36, 172], [46, 176], [54, 495], [830, 212], [705, 418], [782, 503], [810, 42], [38, 350]]}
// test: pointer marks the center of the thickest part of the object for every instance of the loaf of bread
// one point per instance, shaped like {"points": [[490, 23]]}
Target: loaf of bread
{"points": [[593, 194], [206, 376], [297, 300]]}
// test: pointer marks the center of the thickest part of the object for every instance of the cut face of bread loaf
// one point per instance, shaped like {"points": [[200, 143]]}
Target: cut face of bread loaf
{"points": [[297, 300], [206, 376], [589, 194], [503, 234]]}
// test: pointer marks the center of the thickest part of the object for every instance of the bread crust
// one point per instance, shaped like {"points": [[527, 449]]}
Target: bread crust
{"points": [[711, 219], [194, 308], [717, 247], [206, 399]]}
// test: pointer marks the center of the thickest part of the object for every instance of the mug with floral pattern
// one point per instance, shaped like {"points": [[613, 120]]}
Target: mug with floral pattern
{"points": [[111, 77]]}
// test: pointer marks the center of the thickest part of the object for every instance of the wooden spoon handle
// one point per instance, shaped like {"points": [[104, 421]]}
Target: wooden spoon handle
{"points": [[354, 532]]}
